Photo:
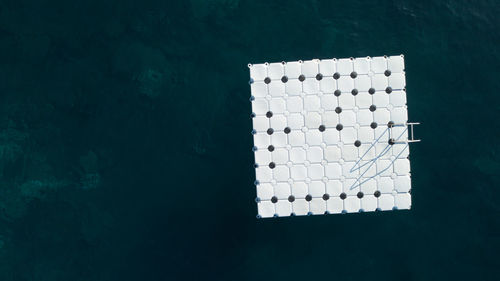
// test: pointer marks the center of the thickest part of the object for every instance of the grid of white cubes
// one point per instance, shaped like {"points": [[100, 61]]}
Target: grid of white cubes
{"points": [[330, 136]]}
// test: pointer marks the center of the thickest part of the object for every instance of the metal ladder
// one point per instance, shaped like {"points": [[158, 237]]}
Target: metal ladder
{"points": [[411, 139], [411, 124]]}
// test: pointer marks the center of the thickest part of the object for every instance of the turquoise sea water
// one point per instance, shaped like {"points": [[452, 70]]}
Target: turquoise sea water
{"points": [[125, 145]]}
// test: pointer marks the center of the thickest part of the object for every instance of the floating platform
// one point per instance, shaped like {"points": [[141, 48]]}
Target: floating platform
{"points": [[331, 136]]}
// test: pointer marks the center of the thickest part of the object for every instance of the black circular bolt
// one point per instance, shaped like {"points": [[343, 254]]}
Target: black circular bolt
{"points": [[387, 72], [269, 114], [308, 198], [339, 127], [321, 128], [272, 165], [357, 143], [270, 148], [252, 115], [270, 131], [338, 109], [255, 165], [354, 74], [360, 195], [354, 92], [373, 125], [337, 93], [287, 130], [377, 193], [371, 91], [373, 108], [274, 199], [326, 196], [302, 78], [267, 80], [390, 124], [336, 75], [388, 90], [392, 141], [284, 79], [319, 76], [291, 198], [343, 196]]}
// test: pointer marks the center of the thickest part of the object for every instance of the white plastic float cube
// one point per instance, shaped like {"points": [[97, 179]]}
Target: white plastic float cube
{"points": [[330, 136]]}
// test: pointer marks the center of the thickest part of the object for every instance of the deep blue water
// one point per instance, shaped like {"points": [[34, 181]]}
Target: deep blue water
{"points": [[125, 145]]}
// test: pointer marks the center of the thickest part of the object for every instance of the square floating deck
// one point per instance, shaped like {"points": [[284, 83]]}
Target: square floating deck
{"points": [[330, 136]]}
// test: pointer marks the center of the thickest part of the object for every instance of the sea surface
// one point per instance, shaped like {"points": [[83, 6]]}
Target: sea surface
{"points": [[125, 145]]}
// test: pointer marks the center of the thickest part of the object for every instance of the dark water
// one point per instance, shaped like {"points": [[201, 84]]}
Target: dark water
{"points": [[125, 141]]}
